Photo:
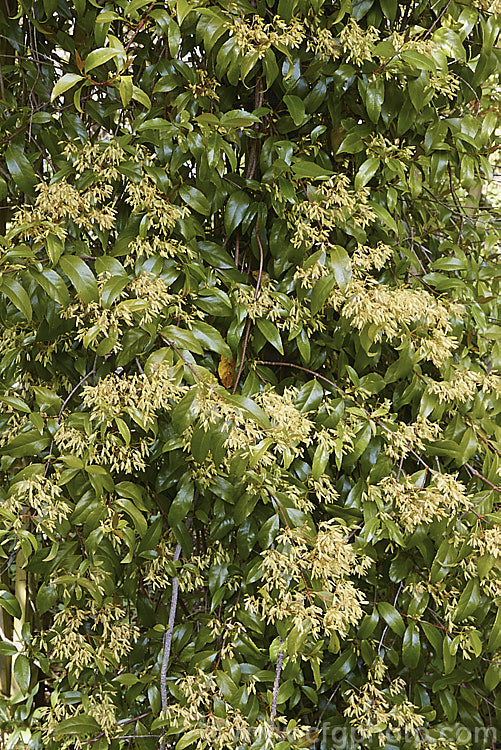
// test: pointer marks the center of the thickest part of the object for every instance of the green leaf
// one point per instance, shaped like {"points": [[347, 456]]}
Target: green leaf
{"points": [[374, 97], [492, 676], [9, 603], [341, 266], [195, 199], [495, 635], [137, 517], [271, 333], [449, 704], [309, 396], [342, 666], [22, 672], [174, 37], [107, 16], [235, 210], [320, 460], [141, 96], [134, 5], [384, 215], [17, 295], [76, 725], [20, 169], [411, 646], [211, 339], [112, 288], [16, 403], [418, 60], [46, 598], [249, 407], [181, 503], [449, 41], [368, 624], [367, 170], [238, 118], [7, 649], [64, 83], [125, 89], [126, 679], [52, 283], [310, 170], [99, 57], [320, 292], [188, 738], [469, 600], [182, 338], [449, 656], [391, 617], [81, 277], [295, 105]]}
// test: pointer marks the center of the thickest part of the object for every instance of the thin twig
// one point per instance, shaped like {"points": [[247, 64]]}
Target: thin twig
{"points": [[383, 636], [242, 358], [248, 326], [276, 685], [237, 248], [120, 723], [261, 264], [168, 639], [183, 359], [346, 395], [443, 11], [304, 369], [65, 403], [481, 476]]}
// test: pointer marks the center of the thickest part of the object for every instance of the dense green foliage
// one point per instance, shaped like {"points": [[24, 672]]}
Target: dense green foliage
{"points": [[250, 369]]}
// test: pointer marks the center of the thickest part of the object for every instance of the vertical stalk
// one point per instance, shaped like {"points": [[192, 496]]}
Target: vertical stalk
{"points": [[21, 594], [5, 661]]}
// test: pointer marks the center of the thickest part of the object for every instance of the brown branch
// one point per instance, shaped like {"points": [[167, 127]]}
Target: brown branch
{"points": [[305, 369], [481, 476], [443, 11]]}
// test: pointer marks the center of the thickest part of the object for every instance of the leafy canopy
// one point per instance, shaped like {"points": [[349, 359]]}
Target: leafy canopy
{"points": [[250, 373]]}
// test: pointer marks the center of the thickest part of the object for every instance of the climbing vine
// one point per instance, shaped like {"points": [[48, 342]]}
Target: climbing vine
{"points": [[250, 374]]}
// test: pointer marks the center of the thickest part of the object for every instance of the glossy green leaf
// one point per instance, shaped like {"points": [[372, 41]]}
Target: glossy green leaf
{"points": [[20, 168], [80, 725], [367, 170], [181, 503], [99, 57], [469, 600], [64, 83], [235, 210], [392, 617], [17, 295], [374, 97], [195, 199], [9, 603], [341, 266], [411, 646], [22, 672], [271, 333], [80, 276], [295, 105]]}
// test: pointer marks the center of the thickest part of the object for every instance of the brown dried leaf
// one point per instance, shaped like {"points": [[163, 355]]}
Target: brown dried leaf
{"points": [[226, 371]]}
